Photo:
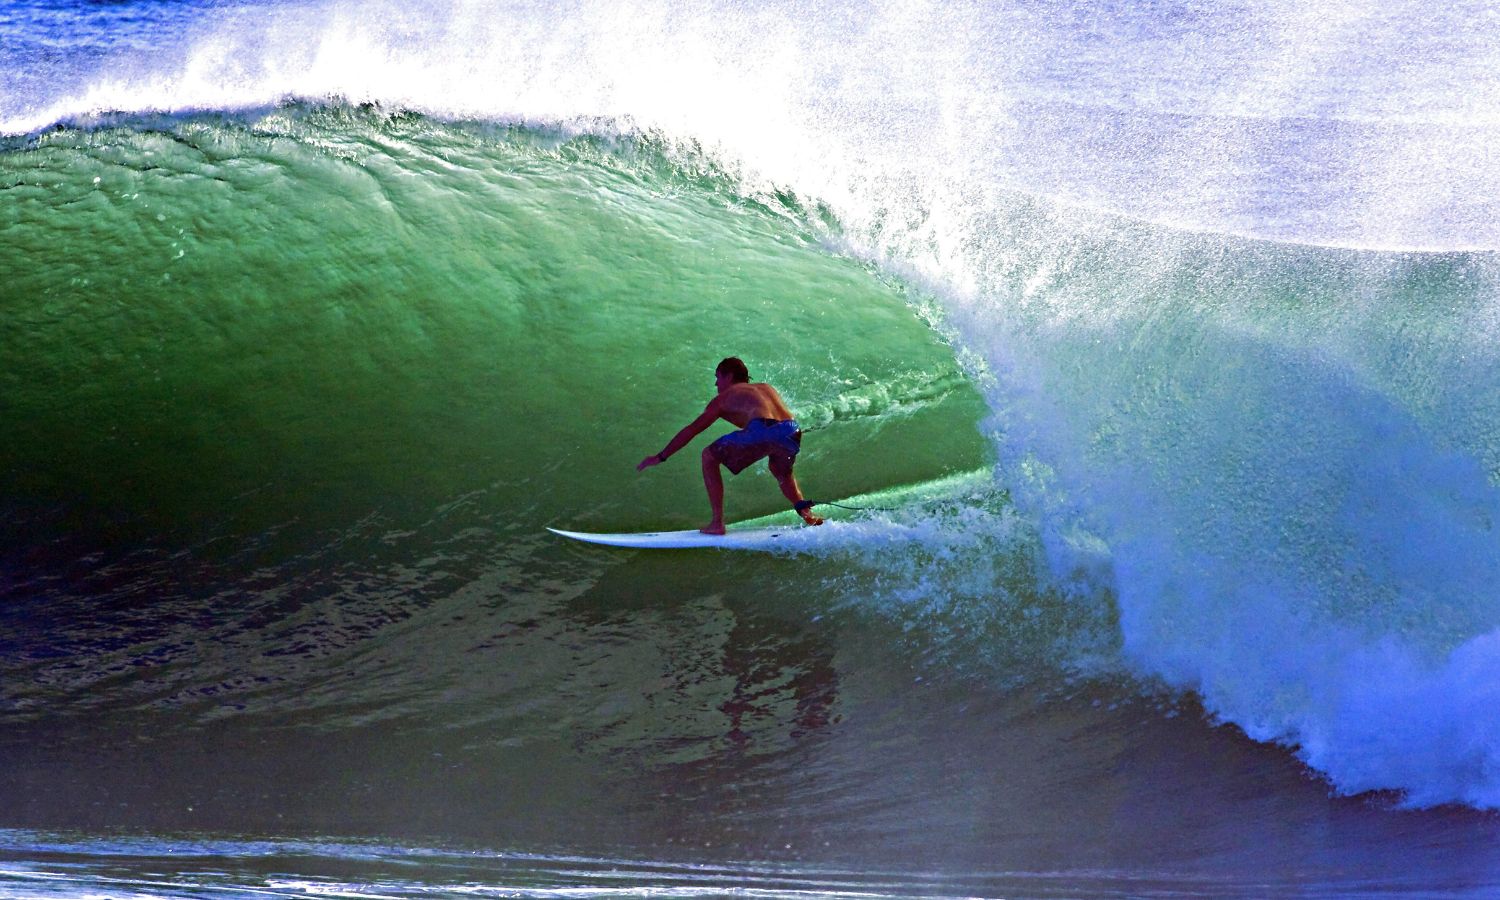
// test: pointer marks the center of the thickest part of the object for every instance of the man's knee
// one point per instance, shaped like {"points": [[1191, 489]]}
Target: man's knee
{"points": [[781, 466]]}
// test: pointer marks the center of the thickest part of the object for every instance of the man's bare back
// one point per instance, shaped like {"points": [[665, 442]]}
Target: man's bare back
{"points": [[774, 436], [740, 403]]}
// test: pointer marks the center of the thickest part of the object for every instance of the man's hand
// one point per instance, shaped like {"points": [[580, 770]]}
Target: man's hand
{"points": [[652, 460]]}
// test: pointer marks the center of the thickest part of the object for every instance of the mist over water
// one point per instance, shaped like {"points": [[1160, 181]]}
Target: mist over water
{"points": [[1164, 336], [1276, 120]]}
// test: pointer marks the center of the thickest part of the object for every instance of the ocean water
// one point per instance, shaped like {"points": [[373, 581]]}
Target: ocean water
{"points": [[1161, 340]]}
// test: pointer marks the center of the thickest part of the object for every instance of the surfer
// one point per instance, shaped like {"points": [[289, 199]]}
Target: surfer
{"points": [[767, 429]]}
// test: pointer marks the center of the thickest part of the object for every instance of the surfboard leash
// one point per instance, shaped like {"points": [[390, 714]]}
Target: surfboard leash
{"points": [[808, 504]]}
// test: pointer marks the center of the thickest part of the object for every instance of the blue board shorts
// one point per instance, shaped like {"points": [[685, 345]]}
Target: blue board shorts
{"points": [[780, 440]]}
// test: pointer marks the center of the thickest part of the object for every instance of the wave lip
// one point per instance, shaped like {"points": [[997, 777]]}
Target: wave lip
{"points": [[1286, 130]]}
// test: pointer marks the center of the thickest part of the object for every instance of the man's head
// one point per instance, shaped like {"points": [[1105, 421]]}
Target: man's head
{"points": [[731, 371]]}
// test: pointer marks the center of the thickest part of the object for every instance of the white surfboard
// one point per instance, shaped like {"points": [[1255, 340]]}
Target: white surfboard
{"points": [[754, 538], [795, 537]]}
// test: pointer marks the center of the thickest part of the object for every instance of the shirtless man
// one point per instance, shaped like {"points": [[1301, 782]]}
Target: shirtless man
{"points": [[767, 429]]}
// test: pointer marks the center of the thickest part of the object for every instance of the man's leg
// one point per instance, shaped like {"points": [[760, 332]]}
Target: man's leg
{"points": [[781, 467], [713, 480]]}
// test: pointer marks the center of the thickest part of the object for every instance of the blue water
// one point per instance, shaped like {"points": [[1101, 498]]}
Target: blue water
{"points": [[1162, 337]]}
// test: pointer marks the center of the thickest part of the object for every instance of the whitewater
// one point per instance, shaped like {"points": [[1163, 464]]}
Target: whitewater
{"points": [[1164, 336]]}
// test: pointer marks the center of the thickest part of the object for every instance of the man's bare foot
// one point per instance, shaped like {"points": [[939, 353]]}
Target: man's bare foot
{"points": [[713, 528], [809, 518]]}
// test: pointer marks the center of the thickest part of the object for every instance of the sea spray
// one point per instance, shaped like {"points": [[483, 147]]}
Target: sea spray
{"points": [[1298, 527]]}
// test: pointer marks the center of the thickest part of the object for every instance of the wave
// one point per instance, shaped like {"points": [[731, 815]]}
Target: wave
{"points": [[1207, 434], [1268, 465]]}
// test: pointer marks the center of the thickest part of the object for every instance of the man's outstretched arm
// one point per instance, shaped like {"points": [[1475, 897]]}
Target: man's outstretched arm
{"points": [[694, 428]]}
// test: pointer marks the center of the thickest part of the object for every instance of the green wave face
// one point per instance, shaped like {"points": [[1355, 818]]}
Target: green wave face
{"points": [[315, 314]]}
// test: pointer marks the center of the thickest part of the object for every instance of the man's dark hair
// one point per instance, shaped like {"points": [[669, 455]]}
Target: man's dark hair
{"points": [[734, 367]]}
